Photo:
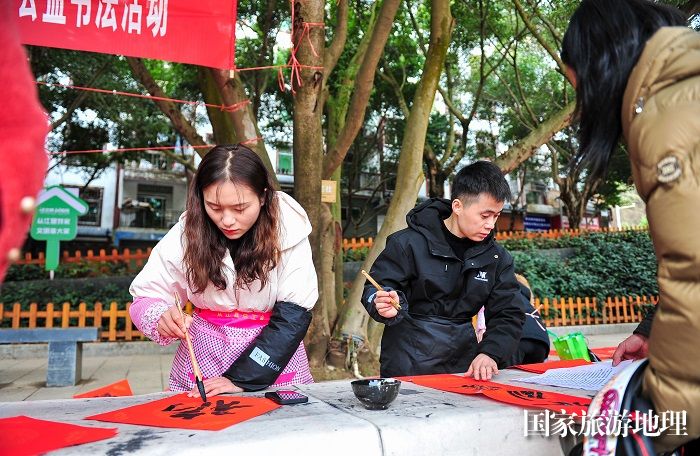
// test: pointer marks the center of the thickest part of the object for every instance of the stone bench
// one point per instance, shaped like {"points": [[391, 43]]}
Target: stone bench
{"points": [[65, 350]]}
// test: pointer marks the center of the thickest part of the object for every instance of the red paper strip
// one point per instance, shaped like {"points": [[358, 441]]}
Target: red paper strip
{"points": [[604, 352], [24, 436], [452, 383], [532, 398], [541, 368], [184, 412], [199, 32], [509, 394], [116, 389]]}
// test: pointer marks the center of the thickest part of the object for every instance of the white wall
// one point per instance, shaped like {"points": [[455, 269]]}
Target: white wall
{"points": [[107, 181]]}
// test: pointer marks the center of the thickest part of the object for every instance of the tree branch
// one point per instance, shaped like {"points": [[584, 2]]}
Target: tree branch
{"points": [[170, 109], [364, 82], [552, 30], [335, 49], [524, 148], [391, 80], [519, 86], [540, 39], [81, 97]]}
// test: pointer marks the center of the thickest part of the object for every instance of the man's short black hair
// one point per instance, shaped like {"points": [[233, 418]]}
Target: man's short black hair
{"points": [[480, 177]]}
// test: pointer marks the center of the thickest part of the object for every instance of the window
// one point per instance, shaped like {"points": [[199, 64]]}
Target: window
{"points": [[285, 163], [152, 216], [93, 198], [157, 189]]}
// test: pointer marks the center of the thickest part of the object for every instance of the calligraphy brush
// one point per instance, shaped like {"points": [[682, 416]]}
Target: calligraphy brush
{"points": [[195, 367], [394, 303]]}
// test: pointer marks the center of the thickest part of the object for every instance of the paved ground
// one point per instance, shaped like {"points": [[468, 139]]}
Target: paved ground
{"points": [[145, 365]]}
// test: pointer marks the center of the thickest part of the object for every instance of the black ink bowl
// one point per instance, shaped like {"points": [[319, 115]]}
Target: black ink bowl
{"points": [[376, 394]]}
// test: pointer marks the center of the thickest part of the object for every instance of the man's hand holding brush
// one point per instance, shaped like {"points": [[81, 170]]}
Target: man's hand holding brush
{"points": [[385, 301]]}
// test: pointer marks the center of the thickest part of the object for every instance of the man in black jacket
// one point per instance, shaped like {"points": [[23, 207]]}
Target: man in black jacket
{"points": [[442, 269]]}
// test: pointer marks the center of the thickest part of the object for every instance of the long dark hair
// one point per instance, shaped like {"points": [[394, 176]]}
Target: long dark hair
{"points": [[602, 44], [258, 250]]}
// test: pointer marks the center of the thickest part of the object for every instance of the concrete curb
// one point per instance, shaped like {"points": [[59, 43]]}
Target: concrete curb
{"points": [[595, 330], [26, 351]]}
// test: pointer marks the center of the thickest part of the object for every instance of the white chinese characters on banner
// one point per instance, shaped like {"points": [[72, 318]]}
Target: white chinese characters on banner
{"points": [[157, 16], [108, 12], [131, 19], [54, 12], [108, 18], [27, 8], [82, 18]]}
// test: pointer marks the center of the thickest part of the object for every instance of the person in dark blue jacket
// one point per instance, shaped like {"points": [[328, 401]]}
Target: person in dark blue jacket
{"points": [[442, 269], [534, 343]]}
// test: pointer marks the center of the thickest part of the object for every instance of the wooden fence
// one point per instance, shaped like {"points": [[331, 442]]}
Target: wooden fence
{"points": [[354, 243], [138, 257], [585, 311], [116, 324]]}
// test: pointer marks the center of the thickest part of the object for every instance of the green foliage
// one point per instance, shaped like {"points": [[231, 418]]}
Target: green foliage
{"points": [[72, 291], [355, 254], [603, 265], [80, 269]]}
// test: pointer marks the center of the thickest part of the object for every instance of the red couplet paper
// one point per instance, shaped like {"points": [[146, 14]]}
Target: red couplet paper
{"points": [[24, 436], [200, 32], [183, 412], [509, 394], [452, 383], [532, 398], [117, 389], [541, 368]]}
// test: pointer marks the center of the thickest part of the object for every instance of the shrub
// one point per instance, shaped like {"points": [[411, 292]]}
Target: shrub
{"points": [[604, 264], [355, 254], [75, 269], [74, 291]]}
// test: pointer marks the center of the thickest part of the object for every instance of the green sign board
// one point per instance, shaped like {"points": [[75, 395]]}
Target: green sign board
{"points": [[56, 220]]}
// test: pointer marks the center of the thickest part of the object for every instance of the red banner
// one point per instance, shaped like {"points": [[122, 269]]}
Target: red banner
{"points": [[200, 32]]}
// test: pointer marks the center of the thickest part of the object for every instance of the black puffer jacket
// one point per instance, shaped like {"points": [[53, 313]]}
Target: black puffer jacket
{"points": [[440, 294]]}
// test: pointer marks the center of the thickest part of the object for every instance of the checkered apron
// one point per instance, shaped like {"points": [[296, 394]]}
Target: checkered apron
{"points": [[219, 338]]}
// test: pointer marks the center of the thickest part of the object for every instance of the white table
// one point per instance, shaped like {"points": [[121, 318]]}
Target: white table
{"points": [[421, 421]]}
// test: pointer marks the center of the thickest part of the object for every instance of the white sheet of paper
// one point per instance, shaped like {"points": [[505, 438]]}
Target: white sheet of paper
{"points": [[590, 377]]}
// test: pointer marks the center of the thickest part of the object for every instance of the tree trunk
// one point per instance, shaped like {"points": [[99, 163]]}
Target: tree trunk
{"points": [[221, 123], [309, 42], [338, 105], [409, 175], [245, 125]]}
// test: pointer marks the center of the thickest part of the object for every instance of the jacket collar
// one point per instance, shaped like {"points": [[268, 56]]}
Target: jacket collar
{"points": [[671, 55], [426, 219]]}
